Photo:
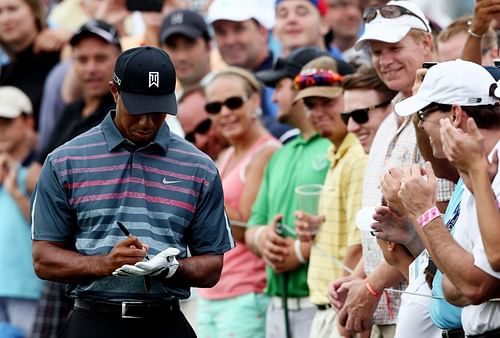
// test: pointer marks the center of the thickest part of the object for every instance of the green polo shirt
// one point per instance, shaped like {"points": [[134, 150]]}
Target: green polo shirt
{"points": [[298, 162]]}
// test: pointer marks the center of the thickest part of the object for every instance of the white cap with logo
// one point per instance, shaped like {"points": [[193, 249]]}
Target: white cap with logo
{"points": [[394, 29], [453, 82], [14, 102]]}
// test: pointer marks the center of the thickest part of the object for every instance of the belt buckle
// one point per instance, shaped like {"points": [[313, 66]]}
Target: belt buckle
{"points": [[125, 307]]}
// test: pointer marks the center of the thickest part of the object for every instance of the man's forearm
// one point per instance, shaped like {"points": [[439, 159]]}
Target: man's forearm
{"points": [[200, 271], [385, 276]]}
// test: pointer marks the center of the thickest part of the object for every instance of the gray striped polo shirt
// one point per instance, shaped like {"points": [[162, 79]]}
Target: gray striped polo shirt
{"points": [[167, 193]]}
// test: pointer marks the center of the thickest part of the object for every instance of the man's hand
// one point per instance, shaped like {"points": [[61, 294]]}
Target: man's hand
{"points": [[128, 251], [391, 227], [390, 184], [356, 314], [273, 248], [307, 226], [466, 151], [484, 12], [337, 291], [8, 174], [165, 261], [418, 193]]}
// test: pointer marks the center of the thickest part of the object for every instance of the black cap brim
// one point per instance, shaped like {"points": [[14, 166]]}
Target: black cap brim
{"points": [[189, 32], [271, 77], [138, 104]]}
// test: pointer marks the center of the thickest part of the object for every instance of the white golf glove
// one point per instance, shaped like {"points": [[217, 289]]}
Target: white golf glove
{"points": [[163, 261]]}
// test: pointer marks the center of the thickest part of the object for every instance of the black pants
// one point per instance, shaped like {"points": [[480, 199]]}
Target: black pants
{"points": [[84, 323]]}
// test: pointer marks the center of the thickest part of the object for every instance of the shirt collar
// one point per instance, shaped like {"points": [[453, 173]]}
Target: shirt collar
{"points": [[114, 138], [334, 155]]}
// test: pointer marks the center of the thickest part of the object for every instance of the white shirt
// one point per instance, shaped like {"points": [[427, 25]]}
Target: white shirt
{"points": [[484, 317]]}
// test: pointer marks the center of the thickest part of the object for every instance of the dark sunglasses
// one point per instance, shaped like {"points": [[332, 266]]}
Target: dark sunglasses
{"points": [[234, 102], [202, 128], [422, 114], [360, 116], [390, 12]]}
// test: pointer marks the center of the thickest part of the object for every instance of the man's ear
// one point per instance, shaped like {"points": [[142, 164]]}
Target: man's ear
{"points": [[458, 115], [391, 246], [114, 90]]}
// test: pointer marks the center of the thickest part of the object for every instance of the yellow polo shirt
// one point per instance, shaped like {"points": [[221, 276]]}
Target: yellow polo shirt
{"points": [[339, 202]]}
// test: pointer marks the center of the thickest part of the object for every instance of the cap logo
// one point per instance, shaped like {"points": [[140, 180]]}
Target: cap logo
{"points": [[154, 79], [474, 100], [177, 19], [117, 80]]}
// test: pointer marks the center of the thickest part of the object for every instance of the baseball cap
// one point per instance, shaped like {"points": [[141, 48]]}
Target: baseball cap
{"points": [[184, 22], [453, 82], [14, 102], [394, 29], [97, 28], [289, 66], [321, 5], [145, 77], [237, 10], [319, 77]]}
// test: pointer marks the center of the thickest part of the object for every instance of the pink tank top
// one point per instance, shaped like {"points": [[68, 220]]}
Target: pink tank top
{"points": [[243, 272]]}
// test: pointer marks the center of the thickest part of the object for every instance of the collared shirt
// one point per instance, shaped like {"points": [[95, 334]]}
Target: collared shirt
{"points": [[394, 145], [340, 201], [167, 193], [299, 162]]}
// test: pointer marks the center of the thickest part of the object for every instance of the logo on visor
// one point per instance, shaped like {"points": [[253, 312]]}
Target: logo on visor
{"points": [[154, 79]]}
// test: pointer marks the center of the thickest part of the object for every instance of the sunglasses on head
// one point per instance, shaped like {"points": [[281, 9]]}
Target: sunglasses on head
{"points": [[202, 128], [390, 12], [422, 114], [233, 102], [360, 116], [317, 78]]}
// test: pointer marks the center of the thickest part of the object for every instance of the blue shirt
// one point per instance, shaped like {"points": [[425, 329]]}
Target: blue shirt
{"points": [[18, 279], [167, 193], [443, 314]]}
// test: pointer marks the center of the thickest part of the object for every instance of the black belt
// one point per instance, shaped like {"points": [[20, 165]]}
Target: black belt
{"points": [[129, 309], [323, 307], [489, 334], [453, 333]]}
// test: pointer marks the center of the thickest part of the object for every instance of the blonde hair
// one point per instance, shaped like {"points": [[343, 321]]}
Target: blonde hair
{"points": [[251, 83]]}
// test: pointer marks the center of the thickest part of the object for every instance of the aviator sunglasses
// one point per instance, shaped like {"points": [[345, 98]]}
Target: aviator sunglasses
{"points": [[202, 128], [233, 102], [360, 116], [390, 12]]}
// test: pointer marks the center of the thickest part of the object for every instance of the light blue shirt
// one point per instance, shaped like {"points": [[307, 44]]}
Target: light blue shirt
{"points": [[18, 279], [443, 314]]}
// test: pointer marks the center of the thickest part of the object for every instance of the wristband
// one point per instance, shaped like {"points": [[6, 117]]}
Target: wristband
{"points": [[428, 216], [257, 235], [370, 289], [298, 252], [475, 35]]}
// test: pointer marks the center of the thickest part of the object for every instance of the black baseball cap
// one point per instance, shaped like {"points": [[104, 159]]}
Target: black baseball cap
{"points": [[184, 22], [145, 77], [289, 66], [97, 28]]}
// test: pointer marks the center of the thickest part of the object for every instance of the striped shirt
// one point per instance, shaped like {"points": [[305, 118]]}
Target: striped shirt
{"points": [[167, 193], [340, 201]]}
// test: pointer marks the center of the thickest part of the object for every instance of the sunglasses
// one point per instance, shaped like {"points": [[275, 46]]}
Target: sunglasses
{"points": [[360, 116], [202, 128], [424, 112], [233, 102], [390, 12]]}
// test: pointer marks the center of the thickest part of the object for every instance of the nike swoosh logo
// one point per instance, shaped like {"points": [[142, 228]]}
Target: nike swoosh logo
{"points": [[165, 181]]}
